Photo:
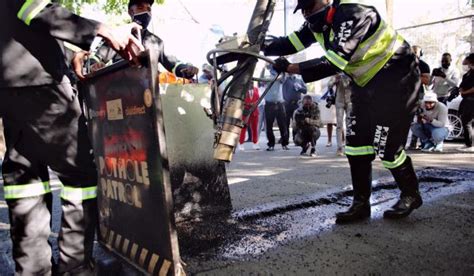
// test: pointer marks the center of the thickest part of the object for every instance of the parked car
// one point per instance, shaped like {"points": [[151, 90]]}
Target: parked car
{"points": [[455, 124]]}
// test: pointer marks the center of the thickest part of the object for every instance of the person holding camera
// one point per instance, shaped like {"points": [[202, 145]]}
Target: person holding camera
{"points": [[425, 82], [328, 114], [445, 79], [293, 88], [306, 124], [432, 125]]}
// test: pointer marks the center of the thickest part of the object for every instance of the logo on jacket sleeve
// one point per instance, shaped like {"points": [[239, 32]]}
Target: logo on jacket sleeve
{"points": [[345, 32]]}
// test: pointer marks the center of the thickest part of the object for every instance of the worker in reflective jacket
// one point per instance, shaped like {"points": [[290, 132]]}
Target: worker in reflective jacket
{"points": [[44, 127], [385, 74]]}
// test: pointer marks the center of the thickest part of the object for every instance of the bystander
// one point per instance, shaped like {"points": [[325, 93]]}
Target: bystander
{"points": [[432, 124], [306, 124], [466, 107]]}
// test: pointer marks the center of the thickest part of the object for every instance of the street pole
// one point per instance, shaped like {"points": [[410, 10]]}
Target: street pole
{"points": [[285, 18], [389, 8]]}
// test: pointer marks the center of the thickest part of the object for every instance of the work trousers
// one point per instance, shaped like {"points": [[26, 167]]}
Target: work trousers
{"points": [[382, 112], [276, 111], [290, 108], [466, 110], [428, 132], [307, 135], [44, 127], [253, 125]]}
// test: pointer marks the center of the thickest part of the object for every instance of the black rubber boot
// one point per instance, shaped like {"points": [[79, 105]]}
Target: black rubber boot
{"points": [[361, 172], [410, 198]]}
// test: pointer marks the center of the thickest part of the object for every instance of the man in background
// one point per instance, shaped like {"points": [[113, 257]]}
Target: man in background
{"points": [[275, 110], [140, 13], [293, 88], [306, 123], [425, 82], [432, 125], [444, 78], [466, 108]]}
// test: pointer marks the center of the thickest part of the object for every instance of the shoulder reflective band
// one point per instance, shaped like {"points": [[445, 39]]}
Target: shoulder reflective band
{"points": [[296, 42], [336, 59], [26, 190], [358, 151], [79, 194], [30, 9], [397, 163], [320, 39], [176, 66]]}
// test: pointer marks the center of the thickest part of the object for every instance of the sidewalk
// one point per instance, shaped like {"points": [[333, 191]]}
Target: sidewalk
{"points": [[261, 177]]}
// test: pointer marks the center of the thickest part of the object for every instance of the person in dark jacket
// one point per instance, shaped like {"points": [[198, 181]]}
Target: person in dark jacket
{"points": [[293, 88], [386, 78], [307, 121], [466, 108], [140, 12], [44, 127]]}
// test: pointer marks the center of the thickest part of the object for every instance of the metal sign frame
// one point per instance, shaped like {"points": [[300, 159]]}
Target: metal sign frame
{"points": [[125, 118]]}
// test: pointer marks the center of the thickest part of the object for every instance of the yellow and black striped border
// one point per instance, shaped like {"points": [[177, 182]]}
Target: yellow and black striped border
{"points": [[140, 256]]}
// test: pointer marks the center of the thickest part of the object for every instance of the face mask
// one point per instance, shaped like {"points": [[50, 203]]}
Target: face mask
{"points": [[143, 19], [317, 21], [466, 68], [445, 65]]}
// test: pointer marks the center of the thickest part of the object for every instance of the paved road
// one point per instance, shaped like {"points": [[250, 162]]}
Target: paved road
{"points": [[283, 220]]}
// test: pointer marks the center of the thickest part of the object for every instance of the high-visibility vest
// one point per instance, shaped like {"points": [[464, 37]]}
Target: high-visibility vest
{"points": [[371, 54]]}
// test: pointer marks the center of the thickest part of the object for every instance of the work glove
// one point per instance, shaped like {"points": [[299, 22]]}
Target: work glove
{"points": [[281, 65], [189, 71]]}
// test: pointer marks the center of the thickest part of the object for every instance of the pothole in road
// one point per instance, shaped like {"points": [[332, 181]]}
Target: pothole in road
{"points": [[249, 233]]}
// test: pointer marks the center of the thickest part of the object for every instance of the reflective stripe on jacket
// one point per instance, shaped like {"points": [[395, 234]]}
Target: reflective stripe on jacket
{"points": [[357, 41], [29, 47]]}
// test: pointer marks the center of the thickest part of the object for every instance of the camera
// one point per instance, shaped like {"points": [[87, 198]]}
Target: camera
{"points": [[299, 117], [419, 111], [453, 93], [330, 100]]}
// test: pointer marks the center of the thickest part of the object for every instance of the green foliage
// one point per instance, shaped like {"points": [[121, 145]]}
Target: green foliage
{"points": [[110, 6]]}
